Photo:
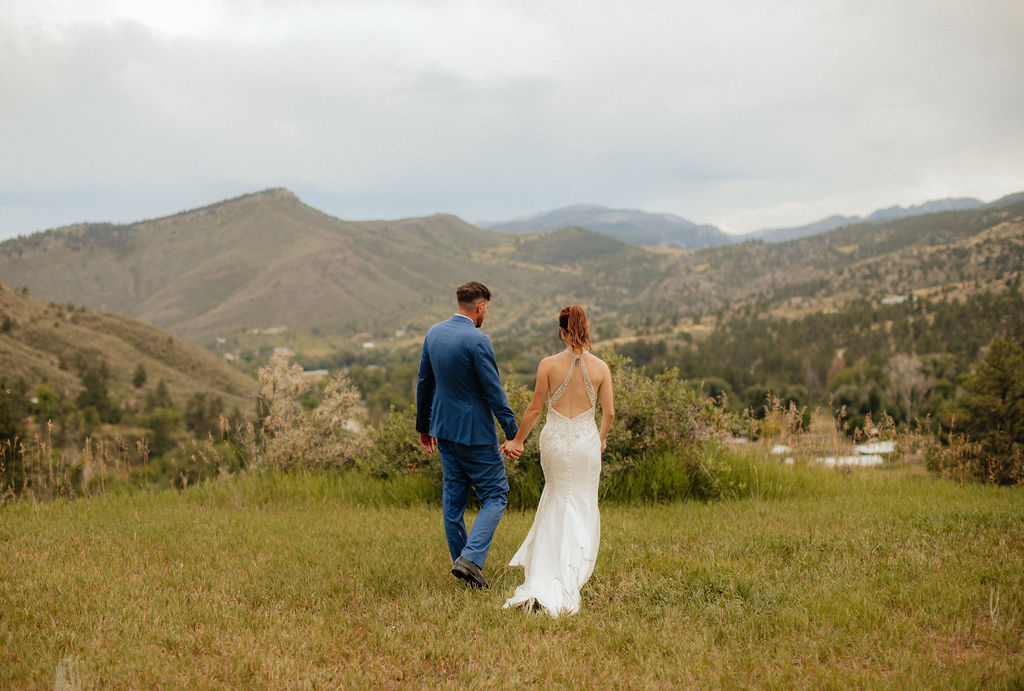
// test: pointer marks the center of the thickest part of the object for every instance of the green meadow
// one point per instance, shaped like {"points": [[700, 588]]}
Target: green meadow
{"points": [[870, 578]]}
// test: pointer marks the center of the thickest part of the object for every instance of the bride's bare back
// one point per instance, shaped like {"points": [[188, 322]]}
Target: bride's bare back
{"points": [[575, 399]]}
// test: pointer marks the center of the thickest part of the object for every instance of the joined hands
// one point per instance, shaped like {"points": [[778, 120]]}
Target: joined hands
{"points": [[512, 449]]}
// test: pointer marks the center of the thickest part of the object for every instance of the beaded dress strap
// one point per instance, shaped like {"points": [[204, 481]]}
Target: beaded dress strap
{"points": [[553, 398]]}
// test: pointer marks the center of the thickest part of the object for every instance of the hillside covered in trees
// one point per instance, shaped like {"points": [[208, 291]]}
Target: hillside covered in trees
{"points": [[887, 318]]}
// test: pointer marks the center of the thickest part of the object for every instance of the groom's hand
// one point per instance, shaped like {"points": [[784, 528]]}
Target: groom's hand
{"points": [[427, 442], [512, 448]]}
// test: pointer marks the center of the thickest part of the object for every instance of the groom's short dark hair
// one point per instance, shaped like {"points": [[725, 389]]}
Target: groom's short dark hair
{"points": [[471, 291]]}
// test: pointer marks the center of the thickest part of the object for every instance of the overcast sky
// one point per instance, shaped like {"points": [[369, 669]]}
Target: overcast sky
{"points": [[733, 112]]}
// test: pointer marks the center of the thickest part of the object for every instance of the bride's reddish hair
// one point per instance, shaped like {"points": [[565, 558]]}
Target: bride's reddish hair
{"points": [[576, 331]]}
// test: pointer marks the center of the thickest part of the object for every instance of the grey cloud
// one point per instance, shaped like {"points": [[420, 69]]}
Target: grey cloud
{"points": [[739, 113]]}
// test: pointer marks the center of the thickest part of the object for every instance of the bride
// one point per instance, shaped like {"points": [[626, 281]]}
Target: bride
{"points": [[559, 552]]}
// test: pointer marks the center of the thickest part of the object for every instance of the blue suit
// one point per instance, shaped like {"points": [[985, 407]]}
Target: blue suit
{"points": [[458, 395]]}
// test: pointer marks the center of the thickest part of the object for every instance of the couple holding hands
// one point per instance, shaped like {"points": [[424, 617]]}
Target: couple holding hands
{"points": [[458, 396]]}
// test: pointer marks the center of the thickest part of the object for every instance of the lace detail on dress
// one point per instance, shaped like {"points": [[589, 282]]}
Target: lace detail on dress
{"points": [[560, 550], [587, 384]]}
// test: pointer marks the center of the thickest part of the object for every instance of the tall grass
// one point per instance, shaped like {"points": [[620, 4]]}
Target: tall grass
{"points": [[36, 468], [706, 473], [320, 579]]}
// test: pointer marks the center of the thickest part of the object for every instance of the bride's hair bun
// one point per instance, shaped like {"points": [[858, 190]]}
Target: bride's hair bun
{"points": [[573, 321]]}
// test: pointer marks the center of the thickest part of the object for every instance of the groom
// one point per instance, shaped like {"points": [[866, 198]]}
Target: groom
{"points": [[458, 395]]}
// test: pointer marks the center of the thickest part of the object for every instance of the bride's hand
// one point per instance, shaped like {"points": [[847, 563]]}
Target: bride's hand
{"points": [[512, 449], [604, 443]]}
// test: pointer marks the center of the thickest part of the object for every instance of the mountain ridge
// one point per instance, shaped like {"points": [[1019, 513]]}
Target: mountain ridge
{"points": [[267, 260], [628, 225], [652, 229]]}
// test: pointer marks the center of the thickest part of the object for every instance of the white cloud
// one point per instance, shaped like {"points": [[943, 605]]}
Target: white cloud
{"points": [[746, 114]]}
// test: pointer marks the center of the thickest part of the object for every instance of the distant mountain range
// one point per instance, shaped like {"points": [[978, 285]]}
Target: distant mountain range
{"points": [[667, 230], [889, 214], [267, 260], [627, 225]]}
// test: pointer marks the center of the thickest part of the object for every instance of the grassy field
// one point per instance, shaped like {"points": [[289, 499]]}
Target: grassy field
{"points": [[872, 578]]}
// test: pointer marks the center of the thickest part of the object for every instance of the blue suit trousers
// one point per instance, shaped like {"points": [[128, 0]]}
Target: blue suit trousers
{"points": [[483, 468]]}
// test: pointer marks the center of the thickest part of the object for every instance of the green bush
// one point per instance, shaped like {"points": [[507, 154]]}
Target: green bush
{"points": [[662, 446], [394, 448], [658, 447], [653, 413]]}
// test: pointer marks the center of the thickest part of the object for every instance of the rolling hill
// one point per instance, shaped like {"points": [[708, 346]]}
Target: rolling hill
{"points": [[267, 259], [51, 342], [864, 261]]}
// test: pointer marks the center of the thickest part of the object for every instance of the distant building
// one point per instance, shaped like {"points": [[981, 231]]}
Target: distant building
{"points": [[860, 459], [876, 447], [314, 373]]}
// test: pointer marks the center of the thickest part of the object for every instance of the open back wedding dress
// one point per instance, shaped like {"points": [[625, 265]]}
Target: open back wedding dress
{"points": [[559, 552]]}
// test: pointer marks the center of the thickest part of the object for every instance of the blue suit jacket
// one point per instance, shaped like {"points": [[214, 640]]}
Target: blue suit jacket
{"points": [[459, 392]]}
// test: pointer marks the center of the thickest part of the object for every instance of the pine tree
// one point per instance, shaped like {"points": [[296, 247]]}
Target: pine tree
{"points": [[994, 419], [139, 379]]}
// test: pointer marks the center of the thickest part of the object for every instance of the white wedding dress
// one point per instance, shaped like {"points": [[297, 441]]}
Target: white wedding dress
{"points": [[559, 552]]}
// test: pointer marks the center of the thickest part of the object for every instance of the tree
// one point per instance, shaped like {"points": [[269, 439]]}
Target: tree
{"points": [[94, 395], [139, 379], [994, 413], [159, 397], [908, 382], [13, 408], [48, 404], [203, 412], [163, 422]]}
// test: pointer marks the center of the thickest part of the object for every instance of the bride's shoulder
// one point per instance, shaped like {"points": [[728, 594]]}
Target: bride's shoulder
{"points": [[549, 360], [595, 360]]}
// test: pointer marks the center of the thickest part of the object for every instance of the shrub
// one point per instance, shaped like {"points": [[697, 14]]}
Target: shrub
{"points": [[394, 448], [662, 426], [293, 436], [659, 412]]}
